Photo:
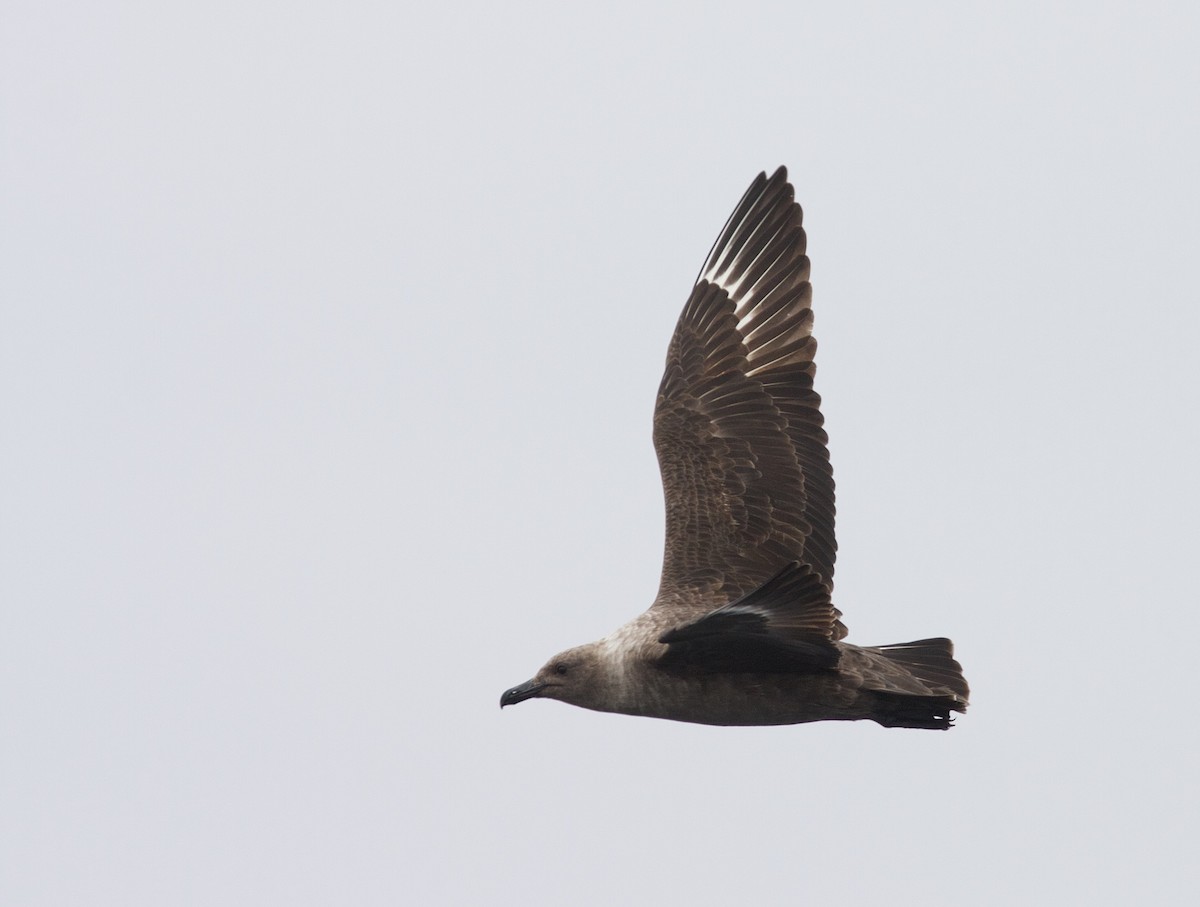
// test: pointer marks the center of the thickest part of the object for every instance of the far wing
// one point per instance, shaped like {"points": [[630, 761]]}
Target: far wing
{"points": [[737, 426]]}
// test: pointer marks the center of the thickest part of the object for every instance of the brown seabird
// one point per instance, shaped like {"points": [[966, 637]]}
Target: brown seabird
{"points": [[743, 630]]}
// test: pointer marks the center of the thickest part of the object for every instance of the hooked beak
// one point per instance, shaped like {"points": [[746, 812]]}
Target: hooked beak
{"points": [[527, 690]]}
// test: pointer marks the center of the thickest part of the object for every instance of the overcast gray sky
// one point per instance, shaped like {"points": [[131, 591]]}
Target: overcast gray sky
{"points": [[328, 346]]}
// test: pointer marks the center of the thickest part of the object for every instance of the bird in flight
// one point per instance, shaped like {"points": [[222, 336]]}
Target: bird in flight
{"points": [[743, 630]]}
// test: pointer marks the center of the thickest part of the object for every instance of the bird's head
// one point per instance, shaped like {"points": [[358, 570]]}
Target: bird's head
{"points": [[580, 676]]}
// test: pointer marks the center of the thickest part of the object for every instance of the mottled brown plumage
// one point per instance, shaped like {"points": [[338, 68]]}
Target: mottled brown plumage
{"points": [[743, 630]]}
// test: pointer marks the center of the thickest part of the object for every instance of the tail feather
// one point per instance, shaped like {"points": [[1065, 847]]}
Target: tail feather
{"points": [[931, 662]]}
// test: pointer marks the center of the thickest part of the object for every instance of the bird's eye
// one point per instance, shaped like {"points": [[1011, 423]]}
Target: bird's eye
{"points": [[560, 669]]}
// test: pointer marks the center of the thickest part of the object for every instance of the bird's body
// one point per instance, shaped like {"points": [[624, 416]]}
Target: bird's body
{"points": [[743, 631]]}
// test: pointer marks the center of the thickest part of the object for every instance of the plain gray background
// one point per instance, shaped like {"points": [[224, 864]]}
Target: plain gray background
{"points": [[329, 342]]}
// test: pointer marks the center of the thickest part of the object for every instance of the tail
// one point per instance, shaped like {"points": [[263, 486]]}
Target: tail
{"points": [[935, 686]]}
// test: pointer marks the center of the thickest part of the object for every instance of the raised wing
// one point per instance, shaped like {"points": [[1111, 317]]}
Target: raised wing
{"points": [[737, 426]]}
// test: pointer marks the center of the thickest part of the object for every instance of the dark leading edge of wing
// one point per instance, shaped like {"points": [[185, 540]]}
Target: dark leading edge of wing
{"points": [[737, 425]]}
